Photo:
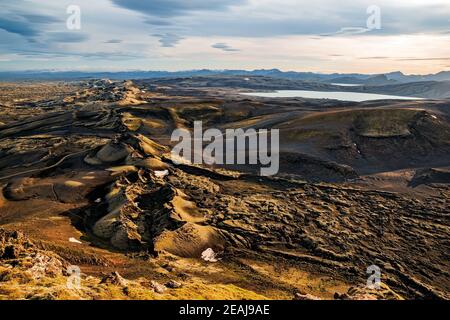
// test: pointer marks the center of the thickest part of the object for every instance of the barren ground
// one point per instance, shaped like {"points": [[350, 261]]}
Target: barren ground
{"points": [[360, 184]]}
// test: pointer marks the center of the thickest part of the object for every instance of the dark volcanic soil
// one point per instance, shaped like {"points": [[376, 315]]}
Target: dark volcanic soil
{"points": [[360, 184]]}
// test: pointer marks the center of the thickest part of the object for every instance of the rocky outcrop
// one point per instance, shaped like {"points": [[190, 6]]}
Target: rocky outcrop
{"points": [[17, 251]]}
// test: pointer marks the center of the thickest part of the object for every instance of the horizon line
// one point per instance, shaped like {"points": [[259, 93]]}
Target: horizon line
{"points": [[212, 70]]}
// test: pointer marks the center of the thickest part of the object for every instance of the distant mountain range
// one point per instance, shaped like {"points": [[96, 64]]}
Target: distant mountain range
{"points": [[376, 84], [352, 78]]}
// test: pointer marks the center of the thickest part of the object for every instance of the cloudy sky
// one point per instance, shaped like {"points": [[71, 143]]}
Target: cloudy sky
{"points": [[300, 35]]}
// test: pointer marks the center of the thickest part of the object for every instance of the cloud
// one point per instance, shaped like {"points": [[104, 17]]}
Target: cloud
{"points": [[192, 27], [158, 22], [115, 55], [224, 47], [109, 55], [18, 25], [347, 31], [424, 59], [40, 18], [170, 8], [23, 22], [405, 58], [67, 37], [168, 40], [113, 41], [290, 17], [374, 58]]}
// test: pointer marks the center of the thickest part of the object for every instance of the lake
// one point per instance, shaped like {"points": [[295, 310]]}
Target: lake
{"points": [[335, 95]]}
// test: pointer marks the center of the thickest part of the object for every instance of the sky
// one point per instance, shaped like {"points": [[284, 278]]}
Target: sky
{"points": [[326, 36]]}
